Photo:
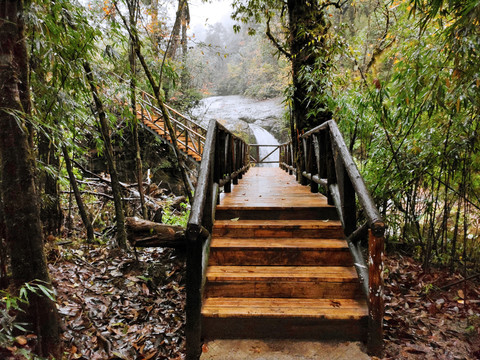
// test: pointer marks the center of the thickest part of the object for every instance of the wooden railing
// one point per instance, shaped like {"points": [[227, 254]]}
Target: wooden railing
{"points": [[328, 162], [255, 156], [189, 134], [225, 160]]}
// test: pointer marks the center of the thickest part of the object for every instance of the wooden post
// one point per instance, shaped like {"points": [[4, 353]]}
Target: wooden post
{"points": [[228, 163], [235, 157], [291, 162], [330, 167], [219, 164], [313, 168], [241, 154], [347, 196], [375, 289]]}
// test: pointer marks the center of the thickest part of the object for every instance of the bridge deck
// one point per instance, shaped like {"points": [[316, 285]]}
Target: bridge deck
{"points": [[279, 266]]}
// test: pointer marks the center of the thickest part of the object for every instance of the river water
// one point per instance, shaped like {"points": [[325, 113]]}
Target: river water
{"points": [[240, 113]]}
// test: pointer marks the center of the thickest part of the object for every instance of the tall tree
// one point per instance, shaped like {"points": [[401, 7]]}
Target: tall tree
{"points": [[305, 45], [133, 7], [112, 167], [21, 209]]}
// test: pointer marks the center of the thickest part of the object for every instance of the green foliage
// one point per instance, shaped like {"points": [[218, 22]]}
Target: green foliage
{"points": [[10, 305], [406, 95], [173, 217]]}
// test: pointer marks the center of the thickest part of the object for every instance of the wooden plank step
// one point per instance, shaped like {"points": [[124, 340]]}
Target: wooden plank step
{"points": [[332, 309], [278, 228], [279, 251], [284, 318], [276, 212], [283, 281]]}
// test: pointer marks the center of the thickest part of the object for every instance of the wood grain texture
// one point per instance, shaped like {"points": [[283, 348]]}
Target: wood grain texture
{"points": [[279, 265]]}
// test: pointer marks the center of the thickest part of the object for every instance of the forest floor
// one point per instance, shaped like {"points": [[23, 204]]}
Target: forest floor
{"points": [[115, 307]]}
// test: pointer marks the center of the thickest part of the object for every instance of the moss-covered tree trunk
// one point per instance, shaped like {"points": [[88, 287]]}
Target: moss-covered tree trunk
{"points": [[21, 209], [307, 30]]}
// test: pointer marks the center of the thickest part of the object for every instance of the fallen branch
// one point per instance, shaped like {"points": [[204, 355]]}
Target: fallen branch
{"points": [[144, 233]]}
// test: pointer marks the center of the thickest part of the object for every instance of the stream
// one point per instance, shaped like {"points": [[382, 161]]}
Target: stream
{"points": [[260, 119]]}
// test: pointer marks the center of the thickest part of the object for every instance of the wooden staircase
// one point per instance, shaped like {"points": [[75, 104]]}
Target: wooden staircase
{"points": [[279, 266], [190, 135]]}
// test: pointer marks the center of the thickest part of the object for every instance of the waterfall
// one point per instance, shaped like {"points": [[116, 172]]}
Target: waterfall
{"points": [[263, 137]]}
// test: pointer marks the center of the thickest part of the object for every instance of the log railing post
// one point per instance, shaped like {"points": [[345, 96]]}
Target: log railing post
{"points": [[347, 196], [375, 290], [235, 157], [330, 168], [313, 168], [228, 163], [291, 160]]}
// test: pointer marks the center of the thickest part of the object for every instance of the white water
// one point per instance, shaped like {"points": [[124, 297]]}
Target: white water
{"points": [[265, 138]]}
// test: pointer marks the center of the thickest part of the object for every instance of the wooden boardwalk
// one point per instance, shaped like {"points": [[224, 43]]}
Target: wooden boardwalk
{"points": [[279, 266]]}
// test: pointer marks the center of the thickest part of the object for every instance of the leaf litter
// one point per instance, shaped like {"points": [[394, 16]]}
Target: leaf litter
{"points": [[424, 321], [115, 307]]}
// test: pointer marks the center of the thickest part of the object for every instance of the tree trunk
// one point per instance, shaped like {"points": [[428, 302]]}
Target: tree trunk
{"points": [[21, 209], [307, 29], [116, 188], [175, 38], [78, 197], [132, 8], [184, 77], [144, 233], [51, 211]]}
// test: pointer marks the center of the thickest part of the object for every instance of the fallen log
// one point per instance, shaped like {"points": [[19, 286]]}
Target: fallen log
{"points": [[144, 233]]}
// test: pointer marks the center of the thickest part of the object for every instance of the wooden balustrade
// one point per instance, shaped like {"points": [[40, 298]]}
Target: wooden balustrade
{"points": [[225, 159], [193, 134], [328, 162]]}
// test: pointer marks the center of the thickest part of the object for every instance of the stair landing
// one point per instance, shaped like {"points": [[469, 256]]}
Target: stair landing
{"points": [[279, 265]]}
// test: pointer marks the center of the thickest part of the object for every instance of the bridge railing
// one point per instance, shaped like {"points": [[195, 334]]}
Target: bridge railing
{"points": [[224, 161], [189, 134], [327, 162], [257, 158]]}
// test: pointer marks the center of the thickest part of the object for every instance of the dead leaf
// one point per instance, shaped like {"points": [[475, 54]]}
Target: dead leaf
{"points": [[21, 340]]}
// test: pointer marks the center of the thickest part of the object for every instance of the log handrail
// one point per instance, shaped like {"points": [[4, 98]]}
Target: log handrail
{"points": [[327, 162], [225, 160]]}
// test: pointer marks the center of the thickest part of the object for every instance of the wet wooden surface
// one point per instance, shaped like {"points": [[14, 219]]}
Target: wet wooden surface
{"points": [[279, 263]]}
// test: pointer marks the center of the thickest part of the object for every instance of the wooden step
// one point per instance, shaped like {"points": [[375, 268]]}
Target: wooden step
{"points": [[279, 251], [331, 229], [315, 282], [284, 318], [227, 212]]}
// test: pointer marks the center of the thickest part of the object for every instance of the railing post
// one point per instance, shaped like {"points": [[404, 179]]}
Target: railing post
{"points": [[375, 290], [303, 159], [235, 157], [228, 163], [347, 196], [241, 152], [330, 168], [312, 166], [291, 160]]}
